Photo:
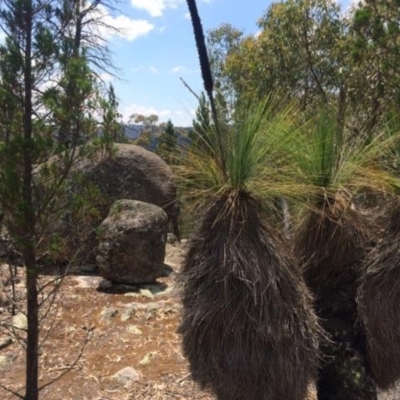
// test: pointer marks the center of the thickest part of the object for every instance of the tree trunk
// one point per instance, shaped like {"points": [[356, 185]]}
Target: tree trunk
{"points": [[28, 219], [32, 354], [343, 374]]}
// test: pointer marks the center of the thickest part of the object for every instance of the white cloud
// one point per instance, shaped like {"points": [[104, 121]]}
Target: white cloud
{"points": [[120, 25], [178, 117], [155, 7], [129, 29], [105, 77], [187, 15], [153, 69], [178, 69]]}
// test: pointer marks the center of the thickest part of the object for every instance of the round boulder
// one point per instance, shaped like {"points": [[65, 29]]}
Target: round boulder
{"points": [[132, 243], [100, 178]]}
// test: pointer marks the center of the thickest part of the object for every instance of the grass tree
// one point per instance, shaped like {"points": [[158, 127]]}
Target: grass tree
{"points": [[331, 241], [379, 292], [248, 328]]}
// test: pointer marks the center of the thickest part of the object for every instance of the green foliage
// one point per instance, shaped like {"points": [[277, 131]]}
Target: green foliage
{"points": [[147, 134], [144, 139], [331, 160], [112, 129], [318, 54], [255, 156], [48, 95], [167, 143]]}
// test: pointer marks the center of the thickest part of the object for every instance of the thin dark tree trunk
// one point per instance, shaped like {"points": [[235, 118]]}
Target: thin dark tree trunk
{"points": [[32, 354], [28, 218], [13, 275]]}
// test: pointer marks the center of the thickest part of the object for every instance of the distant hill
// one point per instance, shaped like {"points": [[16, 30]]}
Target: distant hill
{"points": [[133, 132]]}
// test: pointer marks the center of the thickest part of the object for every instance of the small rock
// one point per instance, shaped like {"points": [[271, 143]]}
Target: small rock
{"points": [[89, 282], [126, 314], [146, 293], [147, 358], [153, 306], [134, 330], [20, 321], [5, 342], [6, 359], [171, 238], [3, 360], [108, 313], [70, 329], [127, 376]]}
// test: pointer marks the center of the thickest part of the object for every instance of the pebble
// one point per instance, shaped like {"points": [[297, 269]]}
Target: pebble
{"points": [[6, 359], [108, 313], [127, 376], [147, 358], [20, 321], [127, 314], [134, 330], [146, 293]]}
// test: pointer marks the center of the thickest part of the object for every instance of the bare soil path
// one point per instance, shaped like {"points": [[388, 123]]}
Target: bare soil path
{"points": [[124, 330]]}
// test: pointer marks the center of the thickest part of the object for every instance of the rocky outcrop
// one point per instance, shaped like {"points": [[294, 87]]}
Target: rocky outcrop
{"points": [[130, 172], [132, 243]]}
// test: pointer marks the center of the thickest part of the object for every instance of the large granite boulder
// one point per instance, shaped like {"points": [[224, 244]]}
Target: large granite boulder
{"points": [[132, 243], [131, 173]]}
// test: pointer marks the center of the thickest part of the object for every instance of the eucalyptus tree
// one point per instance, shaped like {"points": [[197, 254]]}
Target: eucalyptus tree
{"points": [[375, 56], [300, 48]]}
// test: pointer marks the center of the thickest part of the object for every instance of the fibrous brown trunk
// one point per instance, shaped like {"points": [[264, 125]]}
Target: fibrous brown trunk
{"points": [[332, 246]]}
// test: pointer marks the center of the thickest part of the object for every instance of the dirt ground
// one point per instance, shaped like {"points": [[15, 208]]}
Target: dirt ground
{"points": [[95, 333]]}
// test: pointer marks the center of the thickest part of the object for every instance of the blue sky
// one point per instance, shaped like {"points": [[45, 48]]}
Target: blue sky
{"points": [[156, 48]]}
